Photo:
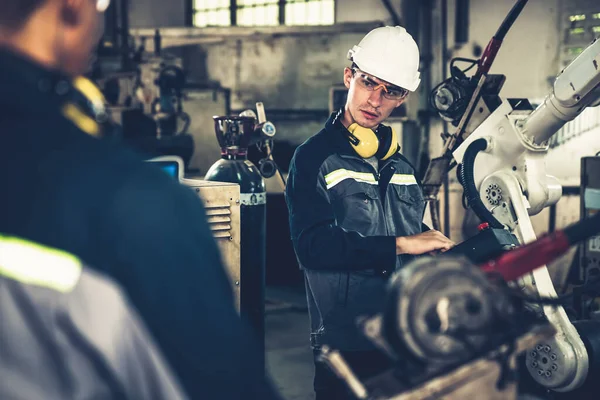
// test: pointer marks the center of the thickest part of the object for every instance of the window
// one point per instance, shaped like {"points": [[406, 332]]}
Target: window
{"points": [[574, 51], [579, 25], [211, 13], [577, 31], [257, 12], [309, 12], [577, 17], [261, 12]]}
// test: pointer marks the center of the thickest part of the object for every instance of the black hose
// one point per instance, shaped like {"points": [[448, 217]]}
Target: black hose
{"points": [[510, 19], [468, 181], [583, 229]]}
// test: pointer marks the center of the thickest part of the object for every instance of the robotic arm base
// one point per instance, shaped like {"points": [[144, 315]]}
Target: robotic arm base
{"points": [[560, 363]]}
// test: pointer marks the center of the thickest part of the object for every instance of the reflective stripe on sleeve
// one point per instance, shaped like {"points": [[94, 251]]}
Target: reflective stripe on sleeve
{"points": [[34, 264]]}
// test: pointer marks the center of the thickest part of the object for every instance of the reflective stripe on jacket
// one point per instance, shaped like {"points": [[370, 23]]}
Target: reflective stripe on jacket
{"points": [[68, 333], [344, 217]]}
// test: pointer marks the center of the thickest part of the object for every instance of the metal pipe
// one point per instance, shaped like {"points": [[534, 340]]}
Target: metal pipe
{"points": [[426, 44], [444, 123], [111, 24], [426, 11], [233, 12], [189, 13], [124, 31], [461, 24], [411, 14], [552, 219], [281, 12], [393, 13]]}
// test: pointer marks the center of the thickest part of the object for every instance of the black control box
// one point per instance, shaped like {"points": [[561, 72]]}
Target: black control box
{"points": [[487, 244]]}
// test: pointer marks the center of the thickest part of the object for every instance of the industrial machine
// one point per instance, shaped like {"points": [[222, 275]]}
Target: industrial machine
{"points": [[590, 205], [222, 206], [144, 90], [235, 135], [499, 146], [452, 328], [588, 267], [503, 173], [147, 103]]}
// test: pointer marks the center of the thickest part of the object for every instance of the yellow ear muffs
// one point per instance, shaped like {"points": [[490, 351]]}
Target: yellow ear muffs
{"points": [[363, 140], [388, 142], [86, 116], [81, 119], [90, 91], [367, 143]]}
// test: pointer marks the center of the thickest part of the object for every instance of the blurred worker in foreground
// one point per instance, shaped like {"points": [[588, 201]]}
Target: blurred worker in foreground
{"points": [[65, 187], [69, 333], [356, 207]]}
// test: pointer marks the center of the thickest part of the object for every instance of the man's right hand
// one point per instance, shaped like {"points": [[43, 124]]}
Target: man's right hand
{"points": [[422, 243]]}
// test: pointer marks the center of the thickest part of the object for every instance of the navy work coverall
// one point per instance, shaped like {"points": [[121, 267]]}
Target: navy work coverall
{"points": [[68, 332], [344, 218], [65, 189]]}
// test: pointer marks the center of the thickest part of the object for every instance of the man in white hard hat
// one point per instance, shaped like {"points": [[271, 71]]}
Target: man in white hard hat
{"points": [[355, 205]]}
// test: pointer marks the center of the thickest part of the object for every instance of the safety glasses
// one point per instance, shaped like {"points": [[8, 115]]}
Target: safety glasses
{"points": [[102, 5], [369, 83]]}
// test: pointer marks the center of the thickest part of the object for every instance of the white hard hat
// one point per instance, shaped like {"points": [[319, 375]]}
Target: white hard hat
{"points": [[390, 54], [102, 5]]}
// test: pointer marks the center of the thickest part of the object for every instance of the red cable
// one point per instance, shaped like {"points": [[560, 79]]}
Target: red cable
{"points": [[516, 263]]}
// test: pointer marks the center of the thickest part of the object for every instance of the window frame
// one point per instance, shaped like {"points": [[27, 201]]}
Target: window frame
{"points": [[233, 8]]}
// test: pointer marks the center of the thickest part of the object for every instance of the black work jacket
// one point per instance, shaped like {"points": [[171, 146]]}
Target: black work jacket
{"points": [[65, 189], [344, 218]]}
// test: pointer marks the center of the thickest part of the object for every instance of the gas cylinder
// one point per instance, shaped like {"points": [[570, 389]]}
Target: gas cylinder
{"points": [[235, 134]]}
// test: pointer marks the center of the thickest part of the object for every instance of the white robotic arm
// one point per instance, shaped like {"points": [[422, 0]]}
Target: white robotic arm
{"points": [[511, 180], [437, 308], [576, 88]]}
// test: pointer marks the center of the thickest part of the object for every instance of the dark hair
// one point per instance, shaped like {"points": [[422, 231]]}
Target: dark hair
{"points": [[14, 13]]}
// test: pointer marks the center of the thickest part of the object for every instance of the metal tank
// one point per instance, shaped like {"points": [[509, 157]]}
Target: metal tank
{"points": [[235, 134]]}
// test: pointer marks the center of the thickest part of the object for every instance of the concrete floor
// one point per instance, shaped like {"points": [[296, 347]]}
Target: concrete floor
{"points": [[289, 357]]}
